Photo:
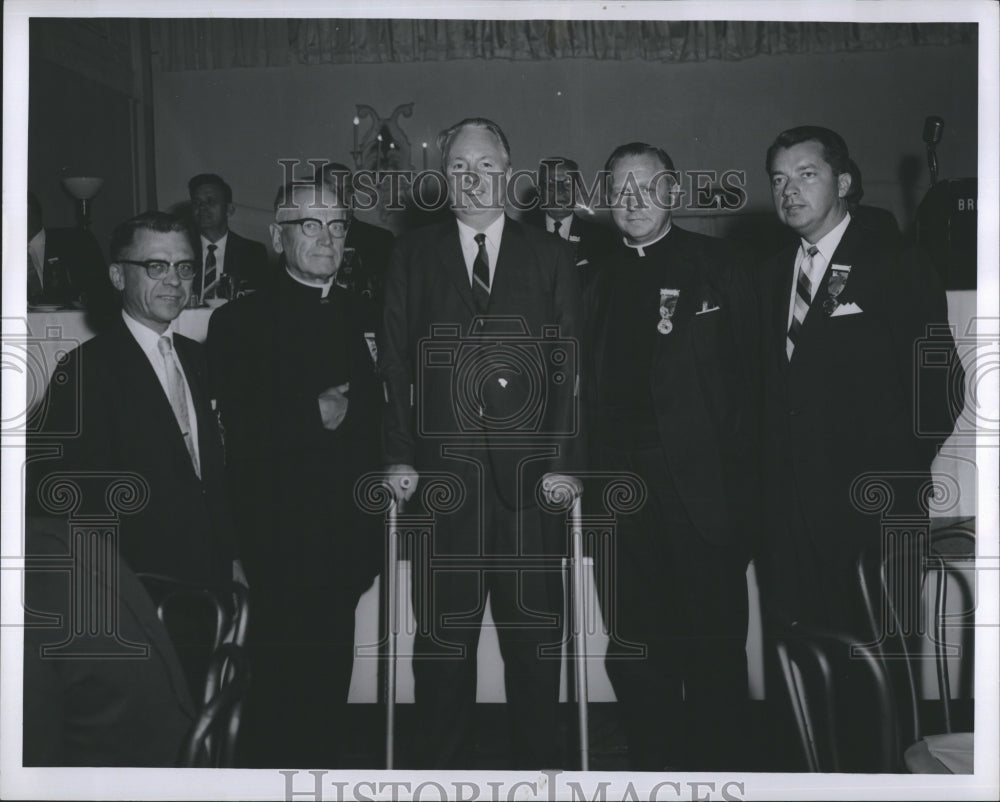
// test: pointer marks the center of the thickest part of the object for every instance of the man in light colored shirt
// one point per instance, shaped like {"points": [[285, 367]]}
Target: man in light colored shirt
{"points": [[454, 411], [223, 251], [846, 312]]}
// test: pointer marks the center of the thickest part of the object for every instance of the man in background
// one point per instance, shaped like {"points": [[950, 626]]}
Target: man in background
{"points": [[66, 268], [223, 251], [557, 214], [299, 401]]}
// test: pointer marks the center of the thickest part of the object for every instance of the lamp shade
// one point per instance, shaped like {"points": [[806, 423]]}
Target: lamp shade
{"points": [[83, 187]]}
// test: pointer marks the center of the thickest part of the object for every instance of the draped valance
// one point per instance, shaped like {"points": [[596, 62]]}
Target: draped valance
{"points": [[200, 44]]}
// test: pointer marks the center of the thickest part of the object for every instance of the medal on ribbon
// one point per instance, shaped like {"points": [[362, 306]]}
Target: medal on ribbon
{"points": [[668, 303], [835, 286]]}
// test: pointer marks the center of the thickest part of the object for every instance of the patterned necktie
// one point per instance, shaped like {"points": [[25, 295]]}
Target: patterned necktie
{"points": [[481, 276], [177, 393], [210, 273], [803, 297]]}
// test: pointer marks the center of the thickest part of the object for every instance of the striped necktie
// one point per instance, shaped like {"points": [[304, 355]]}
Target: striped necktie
{"points": [[210, 273], [803, 297], [481, 276], [177, 393]]}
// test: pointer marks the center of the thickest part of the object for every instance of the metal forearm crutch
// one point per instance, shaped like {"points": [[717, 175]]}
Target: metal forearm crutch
{"points": [[392, 627], [579, 630], [392, 631]]}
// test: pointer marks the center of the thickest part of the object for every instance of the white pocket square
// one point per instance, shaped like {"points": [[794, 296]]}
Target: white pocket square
{"points": [[706, 311], [583, 262], [846, 309]]}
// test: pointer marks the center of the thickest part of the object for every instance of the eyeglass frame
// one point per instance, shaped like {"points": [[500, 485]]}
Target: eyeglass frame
{"points": [[149, 265], [346, 223]]}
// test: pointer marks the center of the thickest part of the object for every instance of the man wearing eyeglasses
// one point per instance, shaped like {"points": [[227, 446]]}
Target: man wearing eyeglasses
{"points": [[296, 389], [137, 395]]}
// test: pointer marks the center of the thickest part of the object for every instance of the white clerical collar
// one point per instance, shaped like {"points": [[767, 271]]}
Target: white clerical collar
{"points": [[827, 244], [639, 248], [493, 232], [325, 287]]}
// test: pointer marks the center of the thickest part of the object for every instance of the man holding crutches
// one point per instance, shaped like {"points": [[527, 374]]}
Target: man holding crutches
{"points": [[477, 352]]}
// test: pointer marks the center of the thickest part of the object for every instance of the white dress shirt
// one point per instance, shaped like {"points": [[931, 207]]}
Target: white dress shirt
{"points": [[467, 236], [564, 225], [148, 339], [825, 247], [220, 252]]}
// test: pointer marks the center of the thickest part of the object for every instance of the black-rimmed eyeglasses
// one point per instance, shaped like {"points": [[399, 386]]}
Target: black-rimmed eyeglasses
{"points": [[312, 227], [157, 268]]}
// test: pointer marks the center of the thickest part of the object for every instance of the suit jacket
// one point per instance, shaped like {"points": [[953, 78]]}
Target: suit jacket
{"points": [[291, 480], [373, 248], [75, 270], [591, 241], [87, 708], [107, 412], [438, 379], [246, 259], [858, 394], [703, 381]]}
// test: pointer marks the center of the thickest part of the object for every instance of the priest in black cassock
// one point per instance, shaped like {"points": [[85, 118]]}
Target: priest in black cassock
{"points": [[295, 382], [671, 395]]}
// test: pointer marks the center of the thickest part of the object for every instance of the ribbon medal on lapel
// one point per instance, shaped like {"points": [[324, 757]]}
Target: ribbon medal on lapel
{"points": [[668, 303], [835, 286]]}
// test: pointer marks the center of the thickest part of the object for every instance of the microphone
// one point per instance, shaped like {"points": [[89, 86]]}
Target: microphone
{"points": [[933, 130]]}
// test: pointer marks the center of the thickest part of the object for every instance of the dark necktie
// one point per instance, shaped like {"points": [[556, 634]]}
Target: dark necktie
{"points": [[210, 273], [481, 276], [556, 225], [803, 298]]}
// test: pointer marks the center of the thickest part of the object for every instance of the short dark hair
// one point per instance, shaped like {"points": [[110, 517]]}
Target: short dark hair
{"points": [[558, 161], [834, 147], [160, 222], [447, 136], [324, 192], [639, 149], [213, 180], [857, 190]]}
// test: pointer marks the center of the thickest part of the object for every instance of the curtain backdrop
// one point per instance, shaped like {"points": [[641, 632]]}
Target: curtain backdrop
{"points": [[203, 44]]}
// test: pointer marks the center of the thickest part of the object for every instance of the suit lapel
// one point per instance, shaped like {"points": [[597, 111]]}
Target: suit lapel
{"points": [[512, 260], [453, 264]]}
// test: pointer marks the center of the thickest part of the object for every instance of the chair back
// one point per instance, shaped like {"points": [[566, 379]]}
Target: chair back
{"points": [[211, 741], [831, 681]]}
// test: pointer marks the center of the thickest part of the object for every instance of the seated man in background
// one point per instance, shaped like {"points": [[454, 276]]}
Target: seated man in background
{"points": [[299, 401], [223, 252], [556, 213], [96, 700], [66, 267]]}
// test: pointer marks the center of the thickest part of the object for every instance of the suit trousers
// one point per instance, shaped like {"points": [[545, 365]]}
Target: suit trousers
{"points": [[486, 550], [683, 603]]}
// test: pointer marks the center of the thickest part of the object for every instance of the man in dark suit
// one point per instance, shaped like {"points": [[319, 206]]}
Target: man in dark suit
{"points": [[368, 248], [846, 312], [671, 396], [300, 404], [223, 251], [66, 267], [134, 398], [556, 214], [488, 400]]}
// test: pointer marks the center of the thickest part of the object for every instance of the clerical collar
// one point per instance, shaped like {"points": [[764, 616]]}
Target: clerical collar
{"points": [[324, 288], [640, 248]]}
